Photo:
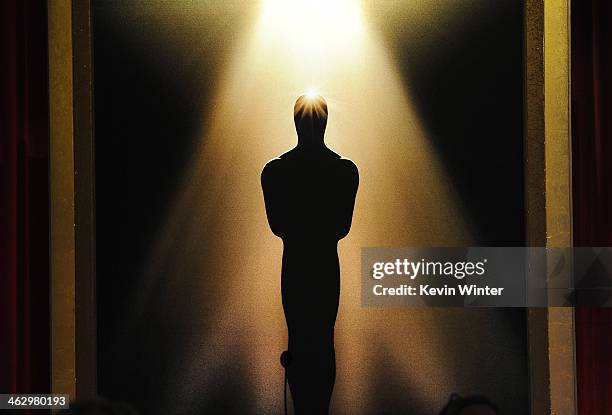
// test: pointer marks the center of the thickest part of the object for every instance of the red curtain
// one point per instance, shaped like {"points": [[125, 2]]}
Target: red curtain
{"points": [[592, 188], [24, 198]]}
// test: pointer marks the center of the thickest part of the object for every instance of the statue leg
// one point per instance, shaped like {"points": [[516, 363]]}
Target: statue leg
{"points": [[312, 371]]}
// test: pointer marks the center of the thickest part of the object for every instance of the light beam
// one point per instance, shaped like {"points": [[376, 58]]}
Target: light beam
{"points": [[404, 199]]}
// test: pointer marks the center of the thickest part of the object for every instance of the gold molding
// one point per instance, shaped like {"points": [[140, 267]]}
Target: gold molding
{"points": [[552, 380], [557, 123], [72, 200], [557, 136], [62, 203]]}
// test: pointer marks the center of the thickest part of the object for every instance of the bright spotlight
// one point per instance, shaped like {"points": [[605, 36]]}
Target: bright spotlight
{"points": [[313, 27], [311, 94]]}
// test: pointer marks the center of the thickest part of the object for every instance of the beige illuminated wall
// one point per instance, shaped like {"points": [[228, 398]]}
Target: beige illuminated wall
{"points": [[417, 357]]}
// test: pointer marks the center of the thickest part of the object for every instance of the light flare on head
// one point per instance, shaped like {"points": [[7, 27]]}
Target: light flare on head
{"points": [[311, 93], [310, 105]]}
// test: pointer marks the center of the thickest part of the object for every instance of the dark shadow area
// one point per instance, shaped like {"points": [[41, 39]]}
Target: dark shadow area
{"points": [[469, 405], [465, 75], [309, 194], [99, 407], [152, 94], [229, 395], [395, 392]]}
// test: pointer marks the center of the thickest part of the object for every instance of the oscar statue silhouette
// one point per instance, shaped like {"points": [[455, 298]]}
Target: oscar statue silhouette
{"points": [[309, 194]]}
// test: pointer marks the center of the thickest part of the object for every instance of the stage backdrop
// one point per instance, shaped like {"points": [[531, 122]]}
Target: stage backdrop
{"points": [[191, 100]]}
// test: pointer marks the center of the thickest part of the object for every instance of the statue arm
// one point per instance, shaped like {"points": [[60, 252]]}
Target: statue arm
{"points": [[346, 204], [272, 199]]}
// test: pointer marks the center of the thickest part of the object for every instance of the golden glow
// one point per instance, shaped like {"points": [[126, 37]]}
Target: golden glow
{"points": [[313, 26], [311, 94], [404, 199]]}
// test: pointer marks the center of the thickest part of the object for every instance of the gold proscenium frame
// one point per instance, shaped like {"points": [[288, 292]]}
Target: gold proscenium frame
{"points": [[71, 201], [547, 160]]}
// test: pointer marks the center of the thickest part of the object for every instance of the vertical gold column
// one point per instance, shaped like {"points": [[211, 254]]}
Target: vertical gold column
{"points": [[557, 133], [548, 197], [557, 123], [535, 199], [62, 203]]}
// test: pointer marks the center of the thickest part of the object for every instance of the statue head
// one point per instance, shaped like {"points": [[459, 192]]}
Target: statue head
{"points": [[310, 116]]}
